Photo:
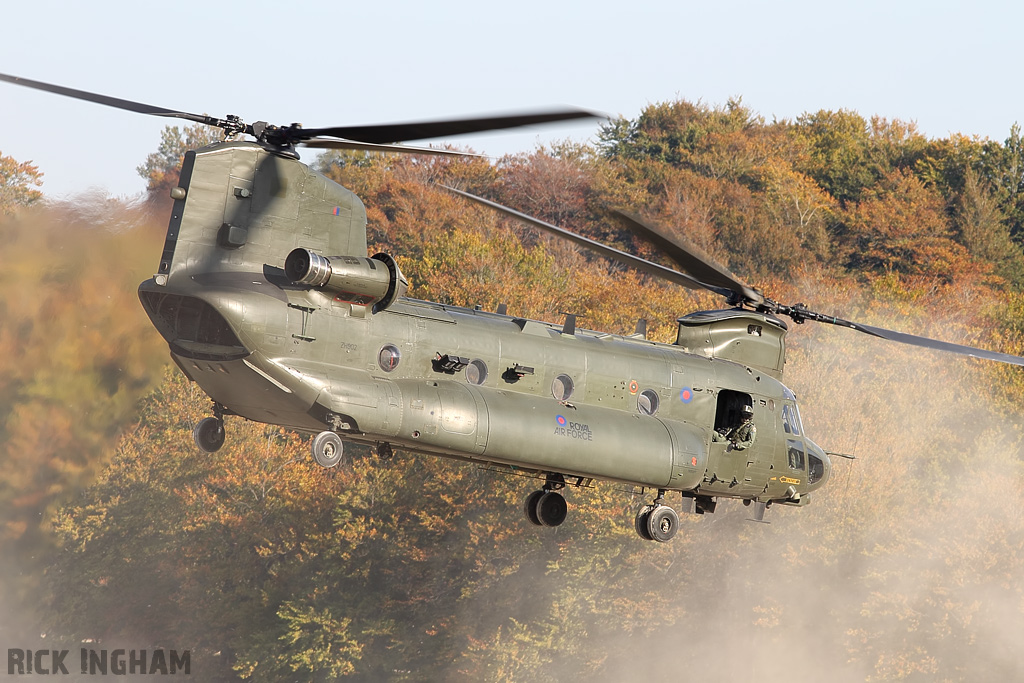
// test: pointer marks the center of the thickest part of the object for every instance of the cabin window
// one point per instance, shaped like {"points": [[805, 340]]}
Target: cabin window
{"points": [[476, 372], [562, 387], [795, 455], [648, 402], [389, 357]]}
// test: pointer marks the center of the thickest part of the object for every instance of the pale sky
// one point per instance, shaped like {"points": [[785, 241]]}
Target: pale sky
{"points": [[949, 66]]}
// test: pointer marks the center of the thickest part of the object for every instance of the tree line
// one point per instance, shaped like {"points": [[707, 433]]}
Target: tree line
{"points": [[268, 568]]}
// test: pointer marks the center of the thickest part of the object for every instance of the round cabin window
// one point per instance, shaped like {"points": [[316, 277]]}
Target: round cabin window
{"points": [[476, 372], [562, 387], [389, 357], [648, 402]]}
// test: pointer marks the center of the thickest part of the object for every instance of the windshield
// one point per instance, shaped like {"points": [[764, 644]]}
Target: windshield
{"points": [[791, 419], [791, 414]]}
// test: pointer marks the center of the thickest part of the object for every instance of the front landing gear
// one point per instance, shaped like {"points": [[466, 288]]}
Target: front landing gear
{"points": [[209, 434], [657, 521], [327, 448], [547, 507]]}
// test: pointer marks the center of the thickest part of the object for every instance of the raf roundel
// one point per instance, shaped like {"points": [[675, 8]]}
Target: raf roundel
{"points": [[686, 395], [560, 420]]}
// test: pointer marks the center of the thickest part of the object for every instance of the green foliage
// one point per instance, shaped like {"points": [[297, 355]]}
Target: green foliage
{"points": [[836, 147]]}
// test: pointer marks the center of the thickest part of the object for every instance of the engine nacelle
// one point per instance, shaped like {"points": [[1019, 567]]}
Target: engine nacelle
{"points": [[360, 281]]}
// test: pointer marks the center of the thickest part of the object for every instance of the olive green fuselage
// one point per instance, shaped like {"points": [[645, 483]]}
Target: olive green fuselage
{"points": [[451, 381]]}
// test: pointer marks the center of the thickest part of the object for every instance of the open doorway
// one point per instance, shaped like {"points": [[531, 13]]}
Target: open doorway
{"points": [[730, 409]]}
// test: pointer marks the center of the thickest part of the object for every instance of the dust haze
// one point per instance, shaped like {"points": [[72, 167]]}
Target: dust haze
{"points": [[76, 355], [906, 566]]}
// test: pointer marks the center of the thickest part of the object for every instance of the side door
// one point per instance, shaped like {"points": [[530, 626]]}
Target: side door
{"points": [[733, 471]]}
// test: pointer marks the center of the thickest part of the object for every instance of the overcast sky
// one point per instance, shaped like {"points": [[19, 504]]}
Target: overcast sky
{"points": [[949, 66]]}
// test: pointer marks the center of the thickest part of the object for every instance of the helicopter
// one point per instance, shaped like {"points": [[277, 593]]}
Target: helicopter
{"points": [[268, 301]]}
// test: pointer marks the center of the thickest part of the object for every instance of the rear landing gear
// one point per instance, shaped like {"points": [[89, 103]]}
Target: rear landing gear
{"points": [[657, 521], [209, 434], [327, 449], [547, 507]]}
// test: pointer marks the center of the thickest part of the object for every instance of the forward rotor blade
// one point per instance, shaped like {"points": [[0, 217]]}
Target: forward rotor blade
{"points": [[689, 258], [325, 143], [640, 264], [129, 105], [423, 130], [799, 313], [925, 342]]}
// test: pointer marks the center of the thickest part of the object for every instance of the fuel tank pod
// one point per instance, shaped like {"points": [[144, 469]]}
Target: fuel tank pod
{"points": [[538, 432]]}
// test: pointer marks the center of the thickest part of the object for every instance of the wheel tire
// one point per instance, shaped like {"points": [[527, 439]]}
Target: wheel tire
{"points": [[551, 508], [328, 449], [662, 523], [209, 434], [530, 507], [640, 523]]}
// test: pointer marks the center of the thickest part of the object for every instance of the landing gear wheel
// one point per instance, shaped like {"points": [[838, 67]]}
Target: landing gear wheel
{"points": [[551, 508], [640, 523], [209, 434], [530, 507], [662, 523], [327, 449]]}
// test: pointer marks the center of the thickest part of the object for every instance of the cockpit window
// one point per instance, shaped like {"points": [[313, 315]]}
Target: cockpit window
{"points": [[815, 469], [795, 453], [791, 419]]}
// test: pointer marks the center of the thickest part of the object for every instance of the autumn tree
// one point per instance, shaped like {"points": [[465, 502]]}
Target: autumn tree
{"points": [[719, 142], [18, 183]]}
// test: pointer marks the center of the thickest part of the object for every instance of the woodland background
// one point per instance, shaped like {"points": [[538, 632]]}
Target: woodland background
{"points": [[116, 530]]}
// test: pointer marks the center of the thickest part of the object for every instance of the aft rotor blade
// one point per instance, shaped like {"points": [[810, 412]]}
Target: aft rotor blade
{"points": [[129, 105], [424, 130], [325, 143], [640, 264], [688, 258]]}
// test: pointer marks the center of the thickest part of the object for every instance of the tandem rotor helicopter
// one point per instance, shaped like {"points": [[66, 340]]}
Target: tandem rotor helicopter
{"points": [[268, 301]]}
